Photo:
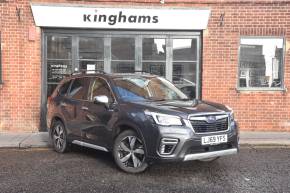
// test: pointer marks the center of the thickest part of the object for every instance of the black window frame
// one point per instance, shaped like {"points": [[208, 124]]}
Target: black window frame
{"points": [[249, 89]]}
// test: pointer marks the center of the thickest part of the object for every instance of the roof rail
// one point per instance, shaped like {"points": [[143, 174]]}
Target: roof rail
{"points": [[141, 71], [83, 71]]}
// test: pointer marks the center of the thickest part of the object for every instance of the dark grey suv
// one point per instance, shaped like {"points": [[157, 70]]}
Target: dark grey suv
{"points": [[140, 118]]}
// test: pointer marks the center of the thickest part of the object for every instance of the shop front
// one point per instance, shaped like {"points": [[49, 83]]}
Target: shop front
{"points": [[121, 40], [230, 52]]}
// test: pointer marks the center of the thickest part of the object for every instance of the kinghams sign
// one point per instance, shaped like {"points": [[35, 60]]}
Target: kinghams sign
{"points": [[120, 18]]}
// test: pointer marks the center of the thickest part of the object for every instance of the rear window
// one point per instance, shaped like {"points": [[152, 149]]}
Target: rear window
{"points": [[79, 88]]}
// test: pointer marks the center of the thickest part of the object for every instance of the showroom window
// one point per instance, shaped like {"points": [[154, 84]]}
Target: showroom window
{"points": [[261, 63], [154, 55], [91, 53], [174, 56], [122, 54]]}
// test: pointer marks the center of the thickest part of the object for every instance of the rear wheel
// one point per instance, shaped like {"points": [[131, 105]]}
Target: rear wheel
{"points": [[129, 152], [59, 137]]}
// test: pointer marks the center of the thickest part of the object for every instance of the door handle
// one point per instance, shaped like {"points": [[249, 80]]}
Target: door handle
{"points": [[62, 104], [85, 108]]}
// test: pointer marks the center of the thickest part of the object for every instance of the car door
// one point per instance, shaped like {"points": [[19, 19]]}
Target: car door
{"points": [[98, 117], [73, 105]]}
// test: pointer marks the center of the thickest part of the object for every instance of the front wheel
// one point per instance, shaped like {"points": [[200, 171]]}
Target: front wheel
{"points": [[129, 152]]}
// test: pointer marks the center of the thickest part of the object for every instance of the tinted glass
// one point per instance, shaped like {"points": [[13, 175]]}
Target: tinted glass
{"points": [[123, 67], [59, 47], [184, 77], [153, 49], [185, 49], [157, 68], [123, 48], [50, 89], [147, 88], [79, 88], [63, 89], [99, 87], [91, 48]]}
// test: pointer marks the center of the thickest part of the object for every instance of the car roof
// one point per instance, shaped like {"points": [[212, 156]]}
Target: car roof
{"points": [[112, 75]]}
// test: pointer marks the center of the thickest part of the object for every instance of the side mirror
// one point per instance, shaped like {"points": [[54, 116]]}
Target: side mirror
{"points": [[103, 99]]}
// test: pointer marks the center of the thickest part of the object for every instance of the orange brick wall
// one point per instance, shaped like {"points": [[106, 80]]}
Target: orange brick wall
{"points": [[269, 111], [21, 66], [265, 111]]}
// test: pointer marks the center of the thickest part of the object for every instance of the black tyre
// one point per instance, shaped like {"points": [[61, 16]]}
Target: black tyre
{"points": [[59, 137], [129, 152]]}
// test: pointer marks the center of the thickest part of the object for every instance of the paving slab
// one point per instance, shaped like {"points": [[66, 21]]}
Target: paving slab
{"points": [[264, 138], [41, 139], [12, 139]]}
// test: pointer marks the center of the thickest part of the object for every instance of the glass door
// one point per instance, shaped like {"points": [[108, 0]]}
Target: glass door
{"points": [[185, 64], [58, 58]]}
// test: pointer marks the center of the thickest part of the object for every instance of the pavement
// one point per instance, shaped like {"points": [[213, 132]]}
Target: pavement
{"points": [[41, 139]]}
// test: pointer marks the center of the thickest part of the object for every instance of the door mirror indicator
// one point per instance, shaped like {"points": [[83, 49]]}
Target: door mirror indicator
{"points": [[101, 99]]}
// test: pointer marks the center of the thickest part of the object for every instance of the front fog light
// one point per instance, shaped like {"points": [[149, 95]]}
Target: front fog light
{"points": [[167, 146]]}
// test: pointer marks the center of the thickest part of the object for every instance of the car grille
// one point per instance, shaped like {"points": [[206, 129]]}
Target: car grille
{"points": [[201, 126]]}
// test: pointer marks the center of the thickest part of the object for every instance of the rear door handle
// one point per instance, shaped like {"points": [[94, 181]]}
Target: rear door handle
{"points": [[85, 108]]}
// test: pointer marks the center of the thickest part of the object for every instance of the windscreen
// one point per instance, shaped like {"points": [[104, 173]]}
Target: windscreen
{"points": [[147, 88]]}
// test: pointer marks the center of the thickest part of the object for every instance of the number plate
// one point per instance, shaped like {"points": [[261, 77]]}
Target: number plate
{"points": [[214, 139]]}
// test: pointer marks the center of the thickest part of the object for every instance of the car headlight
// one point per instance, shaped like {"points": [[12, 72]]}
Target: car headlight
{"points": [[232, 117], [164, 119]]}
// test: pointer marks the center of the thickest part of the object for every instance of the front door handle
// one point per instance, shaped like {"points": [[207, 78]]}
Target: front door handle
{"points": [[85, 108]]}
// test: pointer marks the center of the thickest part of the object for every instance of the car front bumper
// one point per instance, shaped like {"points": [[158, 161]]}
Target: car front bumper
{"points": [[213, 154], [189, 146]]}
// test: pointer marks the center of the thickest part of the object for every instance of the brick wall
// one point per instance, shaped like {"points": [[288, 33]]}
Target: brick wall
{"points": [[21, 66], [21, 92], [254, 110]]}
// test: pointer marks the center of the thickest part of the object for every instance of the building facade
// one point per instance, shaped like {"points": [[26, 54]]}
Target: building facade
{"points": [[234, 52]]}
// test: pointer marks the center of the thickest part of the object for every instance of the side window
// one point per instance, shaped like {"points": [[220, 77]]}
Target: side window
{"points": [[63, 89], [99, 87], [78, 89]]}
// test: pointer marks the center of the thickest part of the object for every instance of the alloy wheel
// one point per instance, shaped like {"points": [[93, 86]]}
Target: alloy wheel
{"points": [[58, 137], [131, 152]]}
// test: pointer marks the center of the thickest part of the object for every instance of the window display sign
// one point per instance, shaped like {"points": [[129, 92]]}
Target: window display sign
{"points": [[120, 18], [57, 71]]}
